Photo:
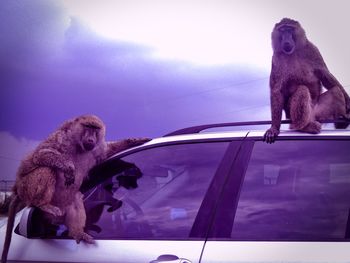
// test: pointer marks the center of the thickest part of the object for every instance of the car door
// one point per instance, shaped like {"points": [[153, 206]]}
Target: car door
{"points": [[293, 205], [154, 204]]}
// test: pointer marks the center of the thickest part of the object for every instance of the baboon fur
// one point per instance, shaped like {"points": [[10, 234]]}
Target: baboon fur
{"points": [[297, 76], [50, 177]]}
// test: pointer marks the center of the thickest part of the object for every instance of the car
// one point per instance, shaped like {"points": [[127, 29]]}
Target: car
{"points": [[204, 195]]}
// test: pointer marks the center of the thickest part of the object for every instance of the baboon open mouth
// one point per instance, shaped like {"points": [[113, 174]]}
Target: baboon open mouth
{"points": [[88, 146], [288, 48]]}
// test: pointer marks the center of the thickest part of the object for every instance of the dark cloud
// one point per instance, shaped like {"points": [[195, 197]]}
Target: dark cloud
{"points": [[54, 68], [30, 28]]}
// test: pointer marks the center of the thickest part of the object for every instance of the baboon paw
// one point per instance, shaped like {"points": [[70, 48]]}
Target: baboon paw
{"points": [[84, 237], [53, 210], [69, 179], [271, 135], [138, 141], [313, 127], [57, 212], [68, 168]]}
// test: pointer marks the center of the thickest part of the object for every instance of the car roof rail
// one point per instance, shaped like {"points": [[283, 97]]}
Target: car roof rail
{"points": [[199, 128]]}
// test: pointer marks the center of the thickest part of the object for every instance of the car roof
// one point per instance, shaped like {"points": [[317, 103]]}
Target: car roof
{"points": [[248, 134], [248, 129], [201, 133]]}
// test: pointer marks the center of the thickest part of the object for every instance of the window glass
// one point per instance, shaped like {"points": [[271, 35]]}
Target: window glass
{"points": [[295, 190], [156, 195]]}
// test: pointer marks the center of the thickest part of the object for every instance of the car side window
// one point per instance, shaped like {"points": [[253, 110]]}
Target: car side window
{"points": [[295, 190], [156, 195]]}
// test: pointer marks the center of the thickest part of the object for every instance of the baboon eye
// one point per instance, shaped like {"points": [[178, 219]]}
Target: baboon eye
{"points": [[286, 29], [91, 126]]}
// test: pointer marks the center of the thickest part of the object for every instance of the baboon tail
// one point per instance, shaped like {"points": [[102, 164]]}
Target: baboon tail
{"points": [[14, 207]]}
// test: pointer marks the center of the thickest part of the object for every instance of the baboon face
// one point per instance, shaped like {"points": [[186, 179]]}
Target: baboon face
{"points": [[90, 131], [89, 137], [287, 36]]}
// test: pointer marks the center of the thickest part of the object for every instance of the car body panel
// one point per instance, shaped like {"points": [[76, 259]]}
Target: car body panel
{"points": [[117, 251], [206, 247], [276, 252], [226, 249], [215, 136]]}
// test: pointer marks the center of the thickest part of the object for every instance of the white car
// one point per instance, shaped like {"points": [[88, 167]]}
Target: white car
{"points": [[208, 197]]}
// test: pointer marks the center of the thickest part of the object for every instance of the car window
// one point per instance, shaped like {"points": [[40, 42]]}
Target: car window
{"points": [[295, 190], [156, 194]]}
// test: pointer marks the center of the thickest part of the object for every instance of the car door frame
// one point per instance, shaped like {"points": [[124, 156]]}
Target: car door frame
{"points": [[200, 228], [217, 245]]}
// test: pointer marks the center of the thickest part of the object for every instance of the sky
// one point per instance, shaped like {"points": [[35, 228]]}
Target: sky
{"points": [[146, 67]]}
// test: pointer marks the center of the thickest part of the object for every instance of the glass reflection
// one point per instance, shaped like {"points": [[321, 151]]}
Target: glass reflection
{"points": [[295, 190]]}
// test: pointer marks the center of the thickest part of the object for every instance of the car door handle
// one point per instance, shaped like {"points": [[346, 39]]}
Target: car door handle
{"points": [[170, 259]]}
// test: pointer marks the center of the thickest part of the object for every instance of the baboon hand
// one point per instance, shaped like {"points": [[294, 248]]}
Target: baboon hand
{"points": [[69, 173], [68, 167], [84, 237], [138, 141], [69, 178], [271, 135]]}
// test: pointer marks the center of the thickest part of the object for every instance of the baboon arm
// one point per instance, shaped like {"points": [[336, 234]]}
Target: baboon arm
{"points": [[277, 102], [327, 79], [118, 146], [51, 157]]}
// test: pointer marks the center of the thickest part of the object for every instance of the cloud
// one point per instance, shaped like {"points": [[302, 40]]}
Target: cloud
{"points": [[135, 94], [30, 29], [12, 151], [200, 32], [56, 68]]}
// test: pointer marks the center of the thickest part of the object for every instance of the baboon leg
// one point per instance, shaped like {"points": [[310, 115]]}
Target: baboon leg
{"points": [[300, 107], [331, 105], [75, 220], [313, 127], [301, 112], [37, 189]]}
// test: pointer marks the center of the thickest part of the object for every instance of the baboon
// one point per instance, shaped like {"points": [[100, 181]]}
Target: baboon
{"points": [[50, 177], [297, 76]]}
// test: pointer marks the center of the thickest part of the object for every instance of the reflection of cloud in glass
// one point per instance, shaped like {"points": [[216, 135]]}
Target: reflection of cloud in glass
{"points": [[302, 198], [174, 181], [163, 223]]}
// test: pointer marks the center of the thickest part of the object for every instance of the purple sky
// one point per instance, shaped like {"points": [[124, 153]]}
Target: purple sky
{"points": [[54, 67], [47, 78], [50, 73]]}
